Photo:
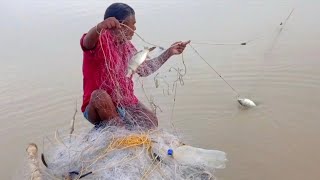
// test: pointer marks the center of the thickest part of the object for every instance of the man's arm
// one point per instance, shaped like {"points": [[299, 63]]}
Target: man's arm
{"points": [[151, 66]]}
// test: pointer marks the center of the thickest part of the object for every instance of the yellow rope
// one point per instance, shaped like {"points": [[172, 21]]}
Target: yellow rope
{"points": [[131, 141]]}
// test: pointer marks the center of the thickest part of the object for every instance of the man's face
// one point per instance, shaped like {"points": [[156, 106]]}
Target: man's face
{"points": [[130, 21]]}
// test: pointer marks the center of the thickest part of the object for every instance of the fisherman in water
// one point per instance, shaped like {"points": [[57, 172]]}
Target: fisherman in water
{"points": [[108, 95]]}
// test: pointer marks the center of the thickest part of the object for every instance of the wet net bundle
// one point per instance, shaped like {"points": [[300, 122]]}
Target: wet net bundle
{"points": [[110, 152]]}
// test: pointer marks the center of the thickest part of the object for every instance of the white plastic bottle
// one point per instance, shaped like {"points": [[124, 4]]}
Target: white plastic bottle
{"points": [[188, 155]]}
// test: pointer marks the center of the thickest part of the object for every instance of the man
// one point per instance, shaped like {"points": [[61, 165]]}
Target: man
{"points": [[108, 93]]}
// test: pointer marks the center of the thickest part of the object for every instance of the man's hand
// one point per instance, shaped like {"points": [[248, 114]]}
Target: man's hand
{"points": [[108, 23], [178, 47], [92, 36]]}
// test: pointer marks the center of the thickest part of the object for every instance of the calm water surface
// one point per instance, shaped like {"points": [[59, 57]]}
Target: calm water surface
{"points": [[41, 78]]}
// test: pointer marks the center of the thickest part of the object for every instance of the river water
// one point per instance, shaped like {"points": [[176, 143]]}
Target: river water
{"points": [[41, 78]]}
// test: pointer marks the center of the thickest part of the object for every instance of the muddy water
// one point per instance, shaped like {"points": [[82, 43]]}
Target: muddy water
{"points": [[40, 78]]}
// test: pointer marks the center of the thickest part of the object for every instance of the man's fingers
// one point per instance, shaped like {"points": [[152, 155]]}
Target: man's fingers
{"points": [[110, 23], [181, 44], [176, 43], [185, 43], [113, 23], [118, 24]]}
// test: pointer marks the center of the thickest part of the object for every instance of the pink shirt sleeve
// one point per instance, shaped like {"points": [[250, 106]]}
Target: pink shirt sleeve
{"points": [[85, 49]]}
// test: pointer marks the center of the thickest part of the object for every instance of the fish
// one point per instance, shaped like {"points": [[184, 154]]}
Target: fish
{"points": [[137, 60], [246, 102]]}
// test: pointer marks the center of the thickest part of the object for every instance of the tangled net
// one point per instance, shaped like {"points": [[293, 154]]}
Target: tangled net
{"points": [[110, 152]]}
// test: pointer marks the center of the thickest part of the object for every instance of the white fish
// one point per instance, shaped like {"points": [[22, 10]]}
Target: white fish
{"points": [[137, 60], [246, 102]]}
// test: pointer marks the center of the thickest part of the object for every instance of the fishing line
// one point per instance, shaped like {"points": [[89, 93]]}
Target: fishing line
{"points": [[282, 24], [220, 44], [238, 95], [140, 36]]}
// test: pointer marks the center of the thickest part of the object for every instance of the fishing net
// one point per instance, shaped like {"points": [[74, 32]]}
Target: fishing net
{"points": [[110, 152], [136, 148]]}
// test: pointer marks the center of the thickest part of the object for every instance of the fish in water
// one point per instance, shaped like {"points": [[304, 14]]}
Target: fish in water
{"points": [[246, 102], [137, 60]]}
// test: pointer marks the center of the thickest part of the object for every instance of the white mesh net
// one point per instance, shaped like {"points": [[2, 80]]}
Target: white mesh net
{"points": [[110, 152]]}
